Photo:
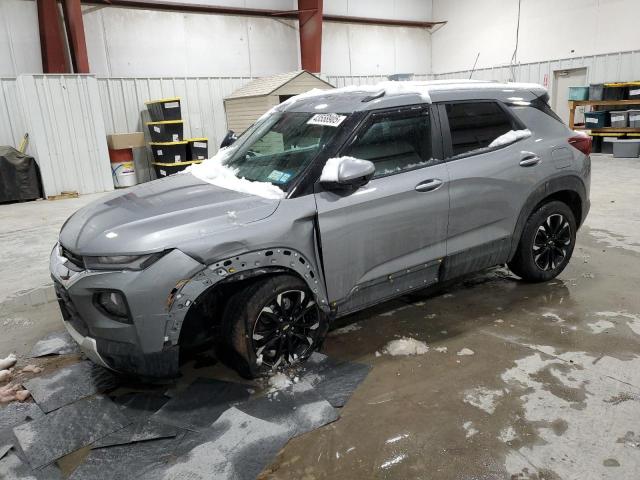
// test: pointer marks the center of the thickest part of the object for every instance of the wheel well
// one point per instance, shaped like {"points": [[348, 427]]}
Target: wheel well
{"points": [[569, 198], [204, 318]]}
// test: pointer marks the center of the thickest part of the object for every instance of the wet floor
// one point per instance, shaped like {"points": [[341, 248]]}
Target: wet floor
{"points": [[520, 381], [549, 387]]}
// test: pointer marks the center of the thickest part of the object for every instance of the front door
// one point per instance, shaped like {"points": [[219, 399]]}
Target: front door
{"points": [[562, 80], [389, 236]]}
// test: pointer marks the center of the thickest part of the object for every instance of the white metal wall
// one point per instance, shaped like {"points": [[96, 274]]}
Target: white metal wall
{"points": [[66, 132], [345, 81], [12, 124], [612, 67]]}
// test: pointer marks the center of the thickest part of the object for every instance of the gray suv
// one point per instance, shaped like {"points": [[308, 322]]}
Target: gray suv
{"points": [[361, 195]]}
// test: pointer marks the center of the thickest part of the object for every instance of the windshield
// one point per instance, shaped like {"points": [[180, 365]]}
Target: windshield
{"points": [[280, 148]]}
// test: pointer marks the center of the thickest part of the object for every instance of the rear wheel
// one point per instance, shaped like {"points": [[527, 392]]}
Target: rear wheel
{"points": [[546, 244], [271, 324]]}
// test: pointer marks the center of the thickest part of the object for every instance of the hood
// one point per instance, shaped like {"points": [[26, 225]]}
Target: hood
{"points": [[160, 215]]}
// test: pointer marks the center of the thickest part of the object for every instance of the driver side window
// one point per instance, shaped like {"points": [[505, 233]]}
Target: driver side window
{"points": [[395, 142]]}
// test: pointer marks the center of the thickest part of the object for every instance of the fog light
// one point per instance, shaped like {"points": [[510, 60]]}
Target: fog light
{"points": [[114, 304]]}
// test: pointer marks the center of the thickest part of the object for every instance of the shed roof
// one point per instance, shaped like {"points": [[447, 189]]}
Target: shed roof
{"points": [[267, 85]]}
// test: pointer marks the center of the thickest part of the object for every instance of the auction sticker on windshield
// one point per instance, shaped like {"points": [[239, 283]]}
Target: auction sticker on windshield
{"points": [[326, 119]]}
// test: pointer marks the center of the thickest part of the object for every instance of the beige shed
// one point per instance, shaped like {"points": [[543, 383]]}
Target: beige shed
{"points": [[244, 106]]}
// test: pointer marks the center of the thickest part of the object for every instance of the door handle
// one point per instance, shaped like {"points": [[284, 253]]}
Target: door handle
{"points": [[529, 159], [429, 185]]}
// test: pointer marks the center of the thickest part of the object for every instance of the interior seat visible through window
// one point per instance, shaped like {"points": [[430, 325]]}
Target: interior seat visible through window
{"points": [[474, 125], [395, 142]]}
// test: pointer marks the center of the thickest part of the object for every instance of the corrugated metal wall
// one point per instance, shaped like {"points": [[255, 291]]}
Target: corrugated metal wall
{"points": [[612, 67], [62, 115], [345, 81], [202, 105]]}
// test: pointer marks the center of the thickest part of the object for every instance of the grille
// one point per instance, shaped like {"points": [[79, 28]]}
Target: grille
{"points": [[68, 310], [75, 260]]}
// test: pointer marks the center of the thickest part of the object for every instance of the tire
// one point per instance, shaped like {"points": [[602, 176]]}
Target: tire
{"points": [[264, 327], [546, 244]]}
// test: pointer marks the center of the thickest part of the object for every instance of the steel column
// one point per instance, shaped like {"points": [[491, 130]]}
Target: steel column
{"points": [[75, 35], [52, 47], [310, 20]]}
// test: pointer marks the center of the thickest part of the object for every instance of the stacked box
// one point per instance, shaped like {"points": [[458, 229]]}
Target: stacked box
{"points": [[164, 109], [596, 91], [578, 93], [634, 118], [166, 130], [596, 119], [619, 118], [169, 152], [198, 148]]}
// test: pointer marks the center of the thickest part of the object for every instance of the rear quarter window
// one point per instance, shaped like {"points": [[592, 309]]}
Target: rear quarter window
{"points": [[474, 125]]}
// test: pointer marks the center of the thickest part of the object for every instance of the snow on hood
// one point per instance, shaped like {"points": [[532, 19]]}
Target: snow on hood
{"points": [[214, 171], [510, 137]]}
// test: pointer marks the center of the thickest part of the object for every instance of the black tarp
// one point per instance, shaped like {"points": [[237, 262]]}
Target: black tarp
{"points": [[19, 176]]}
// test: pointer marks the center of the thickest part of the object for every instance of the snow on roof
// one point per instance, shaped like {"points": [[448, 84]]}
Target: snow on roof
{"points": [[267, 85]]}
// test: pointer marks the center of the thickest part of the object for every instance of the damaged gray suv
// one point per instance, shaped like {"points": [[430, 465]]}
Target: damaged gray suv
{"points": [[330, 203]]}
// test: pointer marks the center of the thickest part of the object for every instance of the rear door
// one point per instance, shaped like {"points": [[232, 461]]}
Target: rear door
{"points": [[489, 182], [388, 236]]}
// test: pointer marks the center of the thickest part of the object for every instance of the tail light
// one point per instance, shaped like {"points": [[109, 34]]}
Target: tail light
{"points": [[582, 143]]}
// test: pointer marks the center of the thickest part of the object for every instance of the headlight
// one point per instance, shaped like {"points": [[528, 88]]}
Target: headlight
{"points": [[122, 262], [114, 304]]}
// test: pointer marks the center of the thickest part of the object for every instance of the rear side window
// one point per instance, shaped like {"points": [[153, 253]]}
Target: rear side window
{"points": [[395, 143], [474, 125]]}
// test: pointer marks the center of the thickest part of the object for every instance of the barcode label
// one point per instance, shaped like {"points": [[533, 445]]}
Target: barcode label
{"points": [[172, 105], [591, 120], [634, 118], [156, 129], [176, 137], [159, 153], [618, 118], [163, 173], [177, 158], [634, 92], [199, 144], [326, 119]]}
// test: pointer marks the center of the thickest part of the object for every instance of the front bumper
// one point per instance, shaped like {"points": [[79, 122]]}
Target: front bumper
{"points": [[143, 347]]}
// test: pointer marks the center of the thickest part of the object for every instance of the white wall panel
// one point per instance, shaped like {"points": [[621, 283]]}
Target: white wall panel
{"points": [[548, 29], [19, 38], [12, 124], [66, 132], [350, 49], [129, 42], [419, 10]]}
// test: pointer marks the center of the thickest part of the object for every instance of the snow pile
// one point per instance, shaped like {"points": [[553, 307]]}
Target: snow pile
{"points": [[354, 327], [7, 362], [9, 393], [510, 137], [5, 375], [406, 346], [214, 171], [465, 351], [279, 381]]}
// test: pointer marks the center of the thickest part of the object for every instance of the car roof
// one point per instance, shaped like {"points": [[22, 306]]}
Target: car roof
{"points": [[395, 94]]}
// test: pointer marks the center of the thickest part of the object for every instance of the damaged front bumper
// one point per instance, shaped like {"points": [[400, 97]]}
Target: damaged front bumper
{"points": [[143, 345]]}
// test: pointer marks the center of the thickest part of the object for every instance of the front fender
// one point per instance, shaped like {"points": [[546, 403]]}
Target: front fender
{"points": [[239, 267]]}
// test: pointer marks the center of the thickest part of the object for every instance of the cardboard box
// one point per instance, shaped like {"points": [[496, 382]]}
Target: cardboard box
{"points": [[118, 141]]}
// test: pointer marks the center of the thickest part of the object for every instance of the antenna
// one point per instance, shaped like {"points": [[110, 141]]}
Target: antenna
{"points": [[474, 66]]}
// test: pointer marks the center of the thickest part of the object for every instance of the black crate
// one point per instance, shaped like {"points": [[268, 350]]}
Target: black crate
{"points": [[164, 109], [198, 148], [634, 91], [167, 169], [169, 152], [166, 131], [614, 93], [597, 119]]}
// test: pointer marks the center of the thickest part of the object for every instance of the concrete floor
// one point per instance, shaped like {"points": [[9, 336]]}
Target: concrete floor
{"points": [[551, 389]]}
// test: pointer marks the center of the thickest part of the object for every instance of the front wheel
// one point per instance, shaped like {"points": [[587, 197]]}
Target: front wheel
{"points": [[270, 324], [546, 244]]}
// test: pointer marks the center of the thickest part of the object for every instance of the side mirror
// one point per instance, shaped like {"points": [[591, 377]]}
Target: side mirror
{"points": [[346, 173], [228, 139]]}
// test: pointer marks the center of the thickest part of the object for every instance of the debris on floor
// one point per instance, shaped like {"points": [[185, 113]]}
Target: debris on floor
{"points": [[406, 346], [57, 343], [8, 362]]}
